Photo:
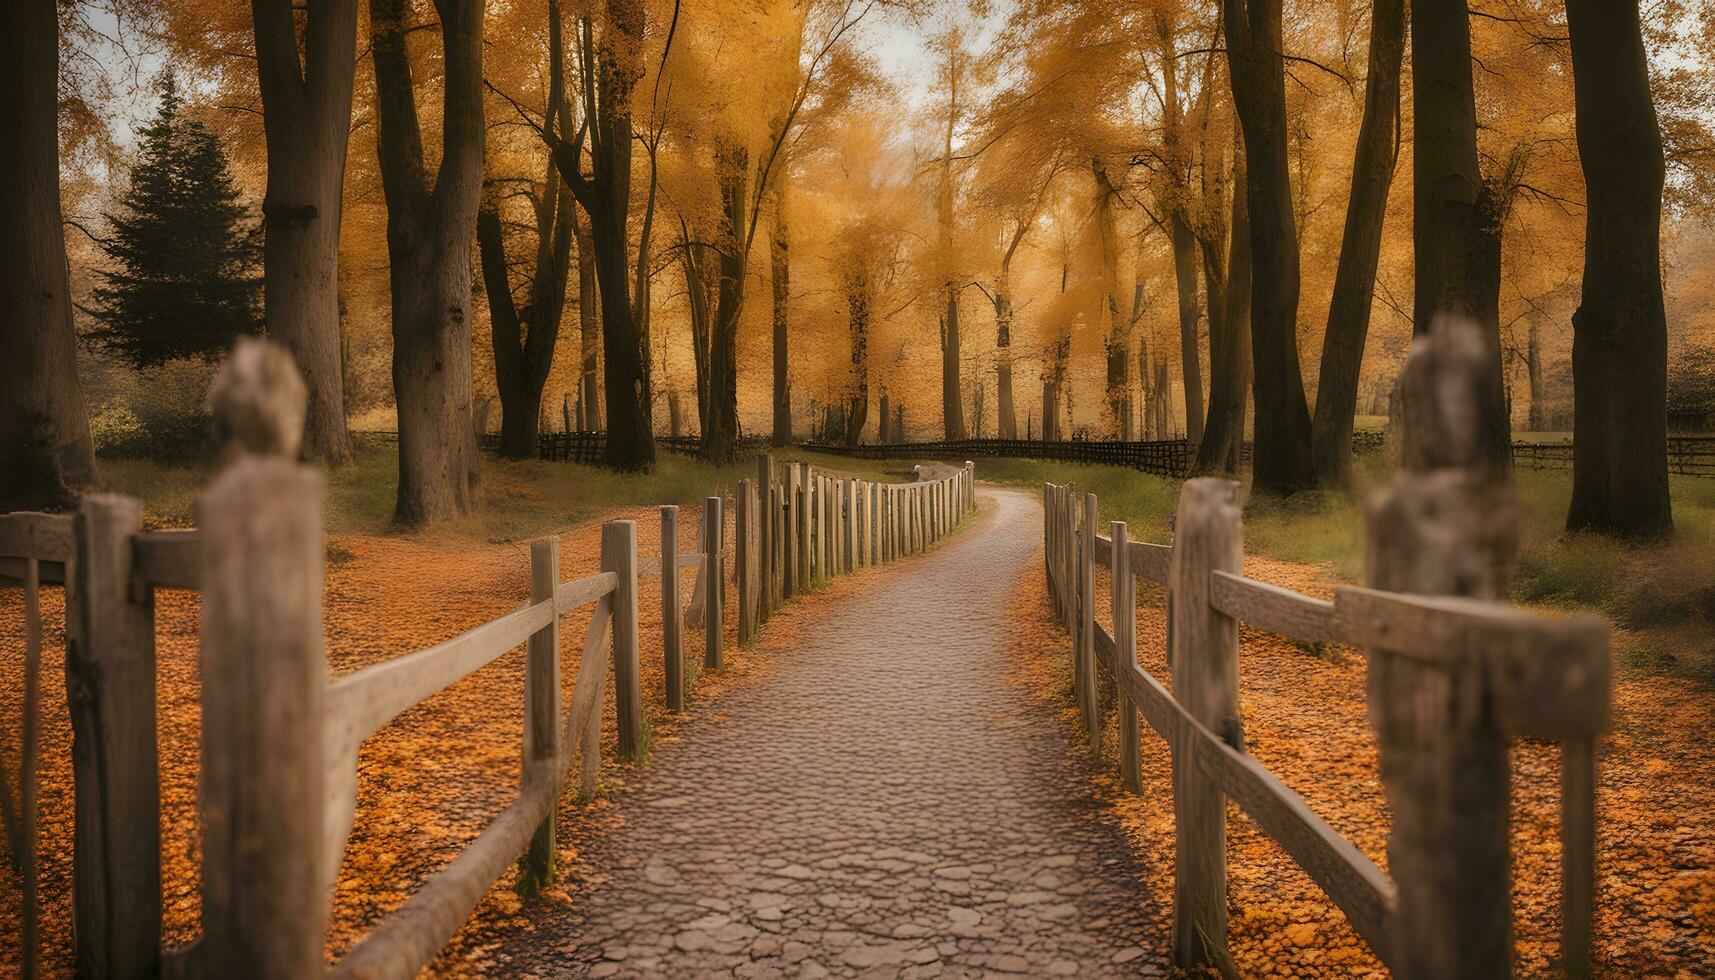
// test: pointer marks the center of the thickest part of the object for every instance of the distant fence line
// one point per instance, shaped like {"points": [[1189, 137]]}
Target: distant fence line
{"points": [[1163, 457], [1686, 455]]}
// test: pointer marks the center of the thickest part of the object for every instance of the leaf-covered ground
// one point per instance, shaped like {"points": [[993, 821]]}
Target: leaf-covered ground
{"points": [[1304, 717], [428, 784]]}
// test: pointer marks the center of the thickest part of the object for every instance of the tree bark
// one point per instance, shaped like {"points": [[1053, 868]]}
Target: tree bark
{"points": [[1360, 248], [1455, 231], [1533, 371], [306, 118], [1229, 337], [605, 194], [1117, 337], [720, 433], [429, 231], [952, 403], [589, 331], [1281, 460], [1619, 339], [1180, 233], [524, 338], [780, 267], [45, 449], [858, 312]]}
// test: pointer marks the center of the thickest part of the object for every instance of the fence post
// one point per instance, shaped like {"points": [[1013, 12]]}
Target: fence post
{"points": [[765, 537], [848, 540], [714, 576], [875, 524], [672, 612], [619, 555], [542, 711], [1204, 653], [110, 688], [264, 680], [793, 516], [1088, 701], [1125, 652], [1446, 525], [742, 559], [801, 528]]}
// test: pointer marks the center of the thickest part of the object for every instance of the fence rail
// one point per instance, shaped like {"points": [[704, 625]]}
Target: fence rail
{"points": [[588, 447], [278, 792], [1166, 457], [1540, 678], [1686, 455]]}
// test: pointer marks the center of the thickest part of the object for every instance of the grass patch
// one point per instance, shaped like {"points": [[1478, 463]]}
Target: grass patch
{"points": [[1661, 594]]}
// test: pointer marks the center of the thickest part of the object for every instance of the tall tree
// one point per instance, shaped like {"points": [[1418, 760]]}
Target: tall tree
{"points": [[1619, 348], [612, 66], [1456, 216], [306, 115], [1229, 331], [955, 67], [780, 282], [1116, 340], [525, 334], [430, 224], [45, 449], [183, 248], [1180, 233], [1281, 456], [859, 301], [1360, 248]]}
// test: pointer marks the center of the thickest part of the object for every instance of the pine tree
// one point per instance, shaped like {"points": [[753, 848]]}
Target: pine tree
{"points": [[184, 249]]}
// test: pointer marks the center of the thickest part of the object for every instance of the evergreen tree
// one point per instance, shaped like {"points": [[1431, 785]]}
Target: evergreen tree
{"points": [[183, 246]]}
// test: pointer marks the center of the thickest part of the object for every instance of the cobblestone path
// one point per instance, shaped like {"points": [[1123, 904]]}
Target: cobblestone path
{"points": [[882, 803]]}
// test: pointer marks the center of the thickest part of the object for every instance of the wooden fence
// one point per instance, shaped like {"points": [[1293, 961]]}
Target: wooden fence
{"points": [[278, 790], [1686, 455], [1521, 675], [588, 447], [1165, 457]]}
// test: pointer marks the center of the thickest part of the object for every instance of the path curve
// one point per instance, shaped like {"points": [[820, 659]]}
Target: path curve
{"points": [[882, 803]]}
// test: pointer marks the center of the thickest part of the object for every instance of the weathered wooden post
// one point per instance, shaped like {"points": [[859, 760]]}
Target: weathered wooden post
{"points": [[110, 688], [264, 678], [801, 504], [1125, 652], [714, 567], [619, 556], [777, 543], [765, 537], [1447, 525], [1203, 650], [742, 560], [849, 541], [542, 711], [1088, 701], [672, 613], [793, 503]]}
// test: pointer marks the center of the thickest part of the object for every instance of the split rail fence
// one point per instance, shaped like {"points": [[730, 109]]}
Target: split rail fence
{"points": [[1162, 457], [1511, 674], [278, 790], [1686, 455]]}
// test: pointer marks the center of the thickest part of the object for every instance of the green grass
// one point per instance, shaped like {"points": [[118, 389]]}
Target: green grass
{"points": [[520, 498], [1660, 594]]}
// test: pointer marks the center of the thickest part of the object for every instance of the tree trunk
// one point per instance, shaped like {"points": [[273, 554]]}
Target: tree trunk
{"points": [[720, 434], [429, 231], [858, 311], [1185, 280], [1180, 233], [605, 194], [1116, 339], [1281, 461], [1619, 339], [589, 332], [1360, 248], [1455, 230], [306, 117], [1229, 338], [780, 266], [1008, 415], [45, 449], [1533, 371], [884, 423]]}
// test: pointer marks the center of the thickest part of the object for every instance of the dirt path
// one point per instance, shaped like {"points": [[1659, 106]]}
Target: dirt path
{"points": [[882, 802]]}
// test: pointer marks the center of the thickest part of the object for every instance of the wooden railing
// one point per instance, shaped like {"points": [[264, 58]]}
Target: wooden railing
{"points": [[588, 447], [278, 790], [1163, 457], [1521, 675], [1686, 455]]}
